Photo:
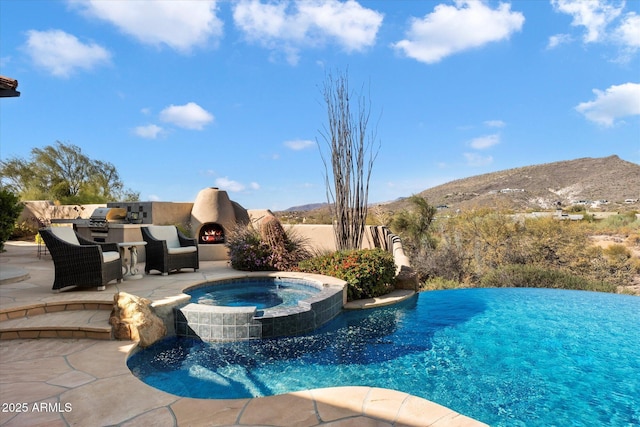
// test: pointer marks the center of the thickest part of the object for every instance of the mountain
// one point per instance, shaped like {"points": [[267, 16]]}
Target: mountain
{"points": [[306, 208], [599, 183], [596, 182]]}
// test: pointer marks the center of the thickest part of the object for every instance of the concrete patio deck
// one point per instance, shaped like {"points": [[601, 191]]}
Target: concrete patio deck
{"points": [[80, 377]]}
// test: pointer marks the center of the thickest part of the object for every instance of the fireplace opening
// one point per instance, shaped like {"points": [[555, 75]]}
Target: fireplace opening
{"points": [[211, 233]]}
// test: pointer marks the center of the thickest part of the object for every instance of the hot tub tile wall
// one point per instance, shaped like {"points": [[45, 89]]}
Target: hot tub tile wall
{"points": [[218, 323], [211, 323]]}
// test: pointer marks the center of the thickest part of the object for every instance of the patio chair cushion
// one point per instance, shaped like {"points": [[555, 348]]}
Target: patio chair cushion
{"points": [[69, 235], [165, 232], [182, 250], [109, 256], [66, 233]]}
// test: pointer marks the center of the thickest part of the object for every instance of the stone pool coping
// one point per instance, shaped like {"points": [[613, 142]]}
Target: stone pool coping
{"points": [[393, 297], [92, 375]]}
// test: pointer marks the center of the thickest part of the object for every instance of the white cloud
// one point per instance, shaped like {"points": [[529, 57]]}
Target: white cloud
{"points": [[289, 26], [451, 29], [627, 35], [189, 116], [495, 123], [593, 15], [299, 144], [181, 25], [254, 186], [62, 53], [603, 22], [474, 159], [612, 104], [628, 32], [484, 142], [230, 185], [558, 39], [149, 131]]}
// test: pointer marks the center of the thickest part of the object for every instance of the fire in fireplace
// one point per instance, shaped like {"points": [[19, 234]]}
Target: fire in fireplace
{"points": [[211, 233]]}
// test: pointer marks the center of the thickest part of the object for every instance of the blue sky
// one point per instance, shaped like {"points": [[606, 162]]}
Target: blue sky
{"points": [[182, 95]]}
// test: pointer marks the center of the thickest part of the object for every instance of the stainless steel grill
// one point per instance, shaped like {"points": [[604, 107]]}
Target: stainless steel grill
{"points": [[100, 220], [101, 217]]}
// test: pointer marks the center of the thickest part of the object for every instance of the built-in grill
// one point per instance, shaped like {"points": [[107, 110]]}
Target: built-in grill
{"points": [[100, 220]]}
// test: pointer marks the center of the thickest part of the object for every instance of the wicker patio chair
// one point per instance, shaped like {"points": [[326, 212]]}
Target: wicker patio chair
{"points": [[168, 249], [81, 262]]}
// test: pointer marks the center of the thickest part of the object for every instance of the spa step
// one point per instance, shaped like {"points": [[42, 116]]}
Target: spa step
{"points": [[52, 307], [88, 323]]}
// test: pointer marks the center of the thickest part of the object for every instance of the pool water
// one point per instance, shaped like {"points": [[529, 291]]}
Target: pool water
{"points": [[507, 357], [261, 293]]}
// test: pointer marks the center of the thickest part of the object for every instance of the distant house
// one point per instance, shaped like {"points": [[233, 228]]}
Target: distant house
{"points": [[565, 216]]}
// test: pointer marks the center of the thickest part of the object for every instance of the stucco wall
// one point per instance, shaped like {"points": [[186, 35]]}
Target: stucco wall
{"points": [[40, 212]]}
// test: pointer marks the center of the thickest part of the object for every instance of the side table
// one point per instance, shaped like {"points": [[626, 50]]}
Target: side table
{"points": [[131, 268]]}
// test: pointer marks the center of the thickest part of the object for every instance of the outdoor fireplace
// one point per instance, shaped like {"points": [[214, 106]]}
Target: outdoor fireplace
{"points": [[211, 234], [213, 216]]}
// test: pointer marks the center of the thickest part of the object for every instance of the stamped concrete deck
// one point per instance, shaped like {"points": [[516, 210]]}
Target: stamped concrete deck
{"points": [[81, 379]]}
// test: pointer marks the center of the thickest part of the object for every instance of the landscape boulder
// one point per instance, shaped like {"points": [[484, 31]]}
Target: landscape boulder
{"points": [[132, 318]]}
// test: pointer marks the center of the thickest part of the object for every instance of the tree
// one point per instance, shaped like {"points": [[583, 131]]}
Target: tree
{"points": [[63, 173], [414, 225], [10, 209], [351, 154]]}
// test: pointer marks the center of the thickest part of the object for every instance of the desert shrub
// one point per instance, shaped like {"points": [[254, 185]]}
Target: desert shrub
{"points": [[614, 266], [447, 261], [247, 251], [251, 250], [471, 247], [576, 209], [622, 223], [439, 283], [531, 276], [10, 210], [24, 230], [617, 253], [368, 272], [634, 239]]}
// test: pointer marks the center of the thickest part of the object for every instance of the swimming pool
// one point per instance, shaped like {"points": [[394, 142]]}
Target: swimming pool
{"points": [[507, 357]]}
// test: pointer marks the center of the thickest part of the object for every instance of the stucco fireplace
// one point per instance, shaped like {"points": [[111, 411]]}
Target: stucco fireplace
{"points": [[213, 217]]}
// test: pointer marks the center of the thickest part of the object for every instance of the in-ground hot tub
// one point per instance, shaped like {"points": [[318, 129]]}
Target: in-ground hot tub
{"points": [[258, 306]]}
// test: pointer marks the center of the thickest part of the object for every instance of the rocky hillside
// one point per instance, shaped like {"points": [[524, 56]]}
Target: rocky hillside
{"points": [[607, 183]]}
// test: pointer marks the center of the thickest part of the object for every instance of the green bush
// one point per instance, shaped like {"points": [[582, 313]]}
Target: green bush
{"points": [[368, 272], [10, 210], [531, 276]]}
